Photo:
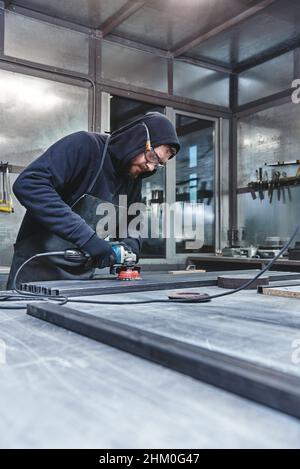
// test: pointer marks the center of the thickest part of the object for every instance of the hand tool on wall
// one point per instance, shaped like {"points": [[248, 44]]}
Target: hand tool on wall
{"points": [[251, 185], [277, 183], [273, 182], [266, 180], [259, 175], [297, 181], [284, 178]]}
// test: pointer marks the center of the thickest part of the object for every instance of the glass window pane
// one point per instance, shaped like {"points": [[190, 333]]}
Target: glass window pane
{"points": [[195, 180], [266, 137], [201, 84], [37, 41], [134, 67], [266, 79], [90, 13], [122, 112], [34, 113], [9, 227]]}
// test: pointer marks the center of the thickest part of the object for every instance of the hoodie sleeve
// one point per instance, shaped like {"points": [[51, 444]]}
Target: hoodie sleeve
{"points": [[41, 186]]}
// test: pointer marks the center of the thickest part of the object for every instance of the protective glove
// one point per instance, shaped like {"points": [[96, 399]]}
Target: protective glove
{"points": [[101, 252]]}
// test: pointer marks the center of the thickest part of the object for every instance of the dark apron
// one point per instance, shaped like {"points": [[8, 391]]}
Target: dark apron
{"points": [[56, 267]]}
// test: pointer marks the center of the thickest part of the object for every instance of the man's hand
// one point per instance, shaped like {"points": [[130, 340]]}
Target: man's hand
{"points": [[101, 252]]}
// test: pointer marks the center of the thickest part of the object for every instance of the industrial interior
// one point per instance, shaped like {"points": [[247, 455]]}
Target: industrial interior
{"points": [[188, 344]]}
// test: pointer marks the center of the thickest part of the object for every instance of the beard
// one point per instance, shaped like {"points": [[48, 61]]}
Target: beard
{"points": [[135, 170]]}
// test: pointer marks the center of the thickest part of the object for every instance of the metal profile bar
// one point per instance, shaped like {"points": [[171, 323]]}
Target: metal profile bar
{"points": [[158, 282], [255, 382], [170, 181], [170, 66], [121, 15], [196, 41], [217, 184]]}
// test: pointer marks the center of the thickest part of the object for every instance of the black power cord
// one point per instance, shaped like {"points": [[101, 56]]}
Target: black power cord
{"points": [[25, 296]]}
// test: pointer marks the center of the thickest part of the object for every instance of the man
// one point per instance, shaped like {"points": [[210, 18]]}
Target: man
{"points": [[59, 188]]}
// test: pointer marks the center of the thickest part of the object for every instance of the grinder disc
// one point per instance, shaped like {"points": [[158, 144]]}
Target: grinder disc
{"points": [[128, 273]]}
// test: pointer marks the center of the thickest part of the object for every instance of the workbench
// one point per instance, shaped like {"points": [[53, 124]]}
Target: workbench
{"points": [[60, 389]]}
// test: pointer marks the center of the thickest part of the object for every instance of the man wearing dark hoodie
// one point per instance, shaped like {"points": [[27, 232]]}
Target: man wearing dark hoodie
{"points": [[84, 166]]}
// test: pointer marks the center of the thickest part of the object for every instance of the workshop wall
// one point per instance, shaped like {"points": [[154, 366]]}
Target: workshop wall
{"points": [[49, 93], [201, 84], [269, 136]]}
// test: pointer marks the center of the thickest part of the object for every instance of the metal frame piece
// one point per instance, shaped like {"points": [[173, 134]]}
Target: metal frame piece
{"points": [[258, 383], [196, 41], [121, 15]]}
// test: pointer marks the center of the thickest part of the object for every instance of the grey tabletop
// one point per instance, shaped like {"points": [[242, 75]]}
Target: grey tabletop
{"points": [[59, 389]]}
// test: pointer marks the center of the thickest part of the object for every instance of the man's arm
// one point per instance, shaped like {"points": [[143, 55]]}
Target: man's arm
{"points": [[40, 185]]}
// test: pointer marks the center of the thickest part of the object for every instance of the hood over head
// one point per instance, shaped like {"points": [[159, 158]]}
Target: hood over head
{"points": [[130, 140]]}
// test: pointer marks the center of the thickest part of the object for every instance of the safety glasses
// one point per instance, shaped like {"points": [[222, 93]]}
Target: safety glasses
{"points": [[153, 158]]}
